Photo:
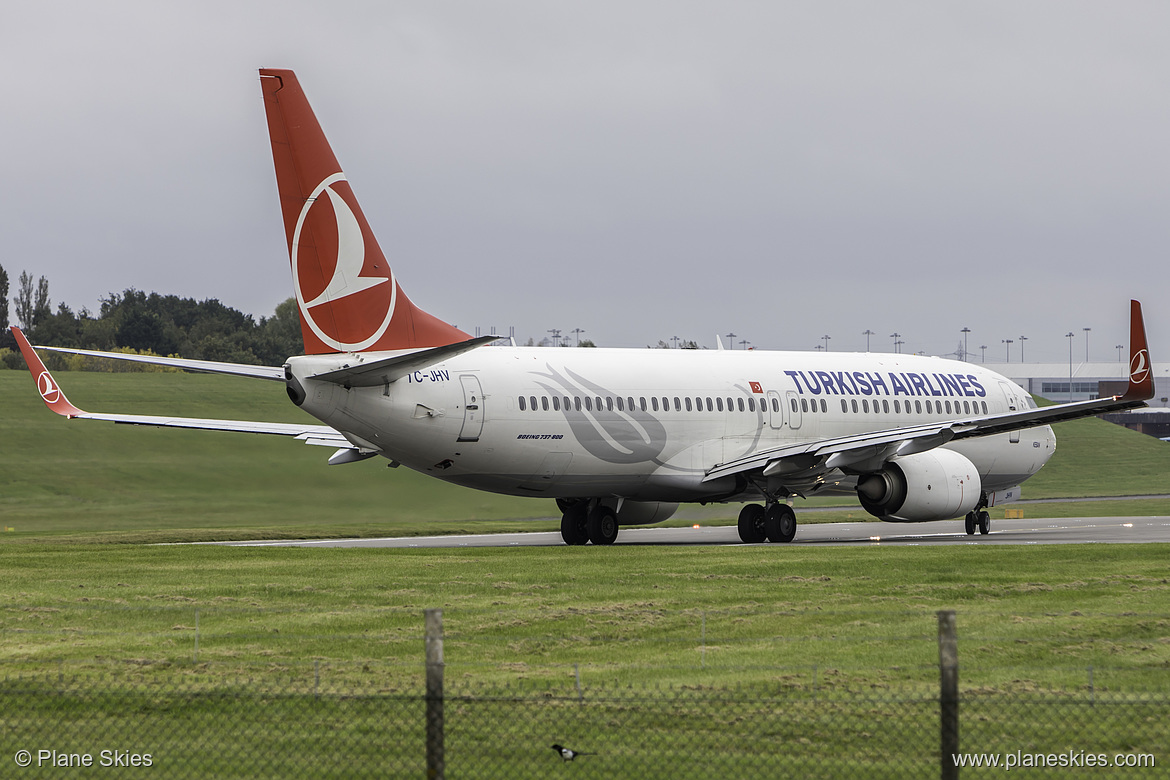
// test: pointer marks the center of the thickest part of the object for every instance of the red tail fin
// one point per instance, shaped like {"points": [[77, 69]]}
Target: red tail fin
{"points": [[348, 297]]}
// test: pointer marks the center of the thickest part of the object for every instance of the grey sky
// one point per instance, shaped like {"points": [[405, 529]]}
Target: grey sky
{"points": [[640, 170]]}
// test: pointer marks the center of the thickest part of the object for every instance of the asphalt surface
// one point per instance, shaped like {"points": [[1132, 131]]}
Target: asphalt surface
{"points": [[1079, 530]]}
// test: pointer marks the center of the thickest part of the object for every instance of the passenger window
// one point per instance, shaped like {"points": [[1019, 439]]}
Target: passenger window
{"points": [[865, 405], [642, 403], [654, 403], [630, 403], [844, 405], [853, 403], [544, 402], [556, 403], [824, 405], [678, 405], [984, 406], [698, 404], [588, 404], [918, 406], [688, 399], [522, 403], [719, 404], [577, 403], [600, 405], [532, 400], [966, 407], [710, 405], [620, 404], [751, 404], [793, 401], [948, 407], [608, 404], [665, 404], [885, 406], [897, 406], [740, 401]]}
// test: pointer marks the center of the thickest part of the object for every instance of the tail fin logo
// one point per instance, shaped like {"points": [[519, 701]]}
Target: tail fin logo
{"points": [[1139, 367], [345, 288], [48, 388]]}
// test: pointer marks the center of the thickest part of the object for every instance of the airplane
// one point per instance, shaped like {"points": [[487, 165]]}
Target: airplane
{"points": [[617, 437]]}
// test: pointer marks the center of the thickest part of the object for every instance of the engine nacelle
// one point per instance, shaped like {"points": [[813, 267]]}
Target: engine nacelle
{"points": [[935, 485], [642, 512]]}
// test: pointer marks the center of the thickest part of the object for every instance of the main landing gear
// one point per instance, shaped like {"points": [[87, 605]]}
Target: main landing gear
{"points": [[774, 523], [978, 518], [581, 523]]}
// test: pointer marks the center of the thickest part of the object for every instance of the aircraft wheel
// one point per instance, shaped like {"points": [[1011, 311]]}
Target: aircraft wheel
{"points": [[602, 525], [984, 523], [969, 524], [751, 524], [573, 526], [780, 523]]}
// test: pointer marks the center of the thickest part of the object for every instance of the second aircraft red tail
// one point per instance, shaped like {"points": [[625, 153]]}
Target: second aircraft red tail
{"points": [[348, 297]]}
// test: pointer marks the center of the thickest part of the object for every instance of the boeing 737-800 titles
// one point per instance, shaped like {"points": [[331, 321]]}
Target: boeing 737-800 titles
{"points": [[615, 436]]}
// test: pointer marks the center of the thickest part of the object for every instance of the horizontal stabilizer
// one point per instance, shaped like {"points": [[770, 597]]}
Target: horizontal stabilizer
{"points": [[387, 370]]}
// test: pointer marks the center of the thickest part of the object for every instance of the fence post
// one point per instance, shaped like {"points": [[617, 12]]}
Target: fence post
{"points": [[434, 646], [948, 670]]}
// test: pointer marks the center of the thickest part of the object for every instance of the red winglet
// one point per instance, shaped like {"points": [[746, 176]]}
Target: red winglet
{"points": [[47, 386], [1141, 374]]}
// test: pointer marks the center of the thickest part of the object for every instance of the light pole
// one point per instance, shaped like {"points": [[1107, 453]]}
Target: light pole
{"points": [[1069, 336], [556, 334], [1119, 348], [867, 334], [731, 340], [744, 343], [825, 339], [577, 332], [982, 353], [895, 337], [1086, 330], [675, 340], [965, 331], [1008, 349], [1022, 340]]}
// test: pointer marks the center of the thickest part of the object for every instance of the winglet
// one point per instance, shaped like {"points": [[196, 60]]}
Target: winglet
{"points": [[47, 386], [1141, 374]]}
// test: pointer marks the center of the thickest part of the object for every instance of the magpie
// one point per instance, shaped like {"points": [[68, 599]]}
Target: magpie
{"points": [[568, 755]]}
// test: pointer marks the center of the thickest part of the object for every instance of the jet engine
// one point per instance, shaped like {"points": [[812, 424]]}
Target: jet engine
{"points": [[935, 485], [642, 512]]}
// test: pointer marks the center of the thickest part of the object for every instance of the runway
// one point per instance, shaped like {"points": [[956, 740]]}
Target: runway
{"points": [[1079, 530]]}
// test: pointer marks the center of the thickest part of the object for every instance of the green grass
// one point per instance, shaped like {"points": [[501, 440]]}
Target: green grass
{"points": [[622, 614]]}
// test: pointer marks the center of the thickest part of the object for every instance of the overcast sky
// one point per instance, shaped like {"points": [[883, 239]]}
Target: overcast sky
{"points": [[640, 170]]}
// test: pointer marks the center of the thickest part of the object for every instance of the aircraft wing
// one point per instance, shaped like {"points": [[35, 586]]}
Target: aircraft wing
{"points": [[206, 366], [868, 451], [55, 399]]}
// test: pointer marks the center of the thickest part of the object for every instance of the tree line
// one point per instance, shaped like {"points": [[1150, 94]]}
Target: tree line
{"points": [[149, 323]]}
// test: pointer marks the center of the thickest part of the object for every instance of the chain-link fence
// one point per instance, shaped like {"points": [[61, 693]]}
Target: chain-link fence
{"points": [[217, 718], [181, 727]]}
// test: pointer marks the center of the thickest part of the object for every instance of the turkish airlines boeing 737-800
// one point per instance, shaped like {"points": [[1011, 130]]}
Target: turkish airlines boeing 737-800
{"points": [[616, 436]]}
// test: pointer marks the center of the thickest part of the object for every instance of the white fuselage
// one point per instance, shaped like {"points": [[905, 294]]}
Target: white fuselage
{"points": [[647, 425]]}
